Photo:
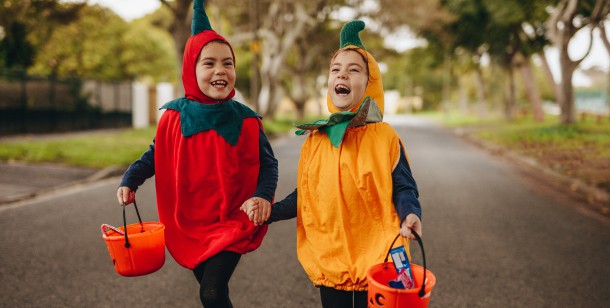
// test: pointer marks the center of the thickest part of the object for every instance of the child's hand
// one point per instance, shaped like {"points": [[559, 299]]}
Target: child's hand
{"points": [[125, 195], [412, 222], [249, 207], [257, 209]]}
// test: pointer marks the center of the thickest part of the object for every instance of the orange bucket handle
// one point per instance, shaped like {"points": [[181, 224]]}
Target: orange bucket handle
{"points": [[106, 227], [127, 245], [422, 291]]}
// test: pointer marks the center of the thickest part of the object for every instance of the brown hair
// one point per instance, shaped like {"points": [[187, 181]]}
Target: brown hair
{"points": [[219, 41], [366, 62]]}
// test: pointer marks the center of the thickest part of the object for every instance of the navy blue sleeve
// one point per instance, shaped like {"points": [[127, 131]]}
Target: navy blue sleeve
{"points": [[405, 194], [268, 172], [140, 170], [285, 209]]}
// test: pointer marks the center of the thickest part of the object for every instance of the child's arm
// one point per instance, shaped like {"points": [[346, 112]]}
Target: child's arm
{"points": [[405, 197], [136, 174], [285, 209], [268, 173], [258, 207]]}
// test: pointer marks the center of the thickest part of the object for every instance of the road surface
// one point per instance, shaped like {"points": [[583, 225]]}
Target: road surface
{"points": [[493, 238]]}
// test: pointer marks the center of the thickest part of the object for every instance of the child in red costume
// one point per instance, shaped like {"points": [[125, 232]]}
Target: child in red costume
{"points": [[210, 156]]}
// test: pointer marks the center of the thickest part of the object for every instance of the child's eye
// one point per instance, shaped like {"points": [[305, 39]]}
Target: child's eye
{"points": [[229, 63], [334, 70], [354, 70], [208, 63]]}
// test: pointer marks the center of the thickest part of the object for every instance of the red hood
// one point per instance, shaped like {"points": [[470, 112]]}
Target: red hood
{"points": [[191, 52]]}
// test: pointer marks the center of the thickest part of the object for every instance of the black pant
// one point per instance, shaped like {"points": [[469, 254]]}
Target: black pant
{"points": [[333, 298], [213, 276]]}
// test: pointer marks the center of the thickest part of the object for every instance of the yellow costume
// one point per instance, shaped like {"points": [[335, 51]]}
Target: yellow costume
{"points": [[346, 218]]}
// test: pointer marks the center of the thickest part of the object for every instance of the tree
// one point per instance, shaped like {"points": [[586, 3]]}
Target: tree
{"points": [[116, 51], [606, 42], [23, 35], [306, 63], [180, 26], [15, 50], [286, 29], [512, 46], [567, 18]]}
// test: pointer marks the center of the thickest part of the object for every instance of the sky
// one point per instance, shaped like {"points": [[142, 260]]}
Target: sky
{"points": [[132, 9], [129, 9]]}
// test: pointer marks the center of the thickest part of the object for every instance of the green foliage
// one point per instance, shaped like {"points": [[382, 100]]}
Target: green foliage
{"points": [[243, 70], [15, 50], [527, 134], [149, 52], [100, 45], [98, 150], [415, 72]]}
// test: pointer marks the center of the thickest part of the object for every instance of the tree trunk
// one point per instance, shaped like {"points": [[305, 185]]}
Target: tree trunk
{"points": [[300, 106], [254, 49], [562, 27], [602, 34], [463, 97], [566, 103], [532, 89], [549, 76], [509, 100], [279, 34], [269, 72], [180, 30], [481, 95]]}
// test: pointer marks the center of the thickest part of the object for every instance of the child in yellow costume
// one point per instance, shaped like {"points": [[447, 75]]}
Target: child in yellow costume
{"points": [[355, 190]]}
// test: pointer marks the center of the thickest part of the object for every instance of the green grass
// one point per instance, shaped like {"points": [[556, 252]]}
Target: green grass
{"points": [[580, 150], [98, 149], [122, 147], [550, 134]]}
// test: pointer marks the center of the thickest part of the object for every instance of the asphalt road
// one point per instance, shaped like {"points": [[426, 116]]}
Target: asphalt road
{"points": [[493, 238]]}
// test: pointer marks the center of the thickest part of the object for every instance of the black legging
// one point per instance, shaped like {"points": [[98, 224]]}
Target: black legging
{"points": [[333, 298], [213, 276]]}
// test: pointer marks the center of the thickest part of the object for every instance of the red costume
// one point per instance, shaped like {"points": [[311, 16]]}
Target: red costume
{"points": [[206, 166]]}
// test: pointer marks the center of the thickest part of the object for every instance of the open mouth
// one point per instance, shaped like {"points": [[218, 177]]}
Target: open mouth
{"points": [[219, 83], [342, 90]]}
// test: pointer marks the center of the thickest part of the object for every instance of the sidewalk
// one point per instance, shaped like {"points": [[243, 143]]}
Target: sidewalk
{"points": [[20, 181]]}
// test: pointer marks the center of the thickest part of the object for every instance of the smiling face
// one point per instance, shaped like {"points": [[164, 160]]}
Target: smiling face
{"points": [[215, 70], [347, 79]]}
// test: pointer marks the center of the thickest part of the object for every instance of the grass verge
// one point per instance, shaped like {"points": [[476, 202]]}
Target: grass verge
{"points": [[98, 149], [580, 150]]}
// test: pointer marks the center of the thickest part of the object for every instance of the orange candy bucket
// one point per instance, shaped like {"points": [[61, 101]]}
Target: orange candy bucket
{"points": [[380, 294], [136, 249]]}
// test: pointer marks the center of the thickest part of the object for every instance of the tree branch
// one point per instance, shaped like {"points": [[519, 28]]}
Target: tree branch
{"points": [[577, 62], [553, 23], [603, 36], [167, 5]]}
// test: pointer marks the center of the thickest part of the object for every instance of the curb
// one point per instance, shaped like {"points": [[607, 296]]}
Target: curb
{"points": [[97, 176], [592, 197]]}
